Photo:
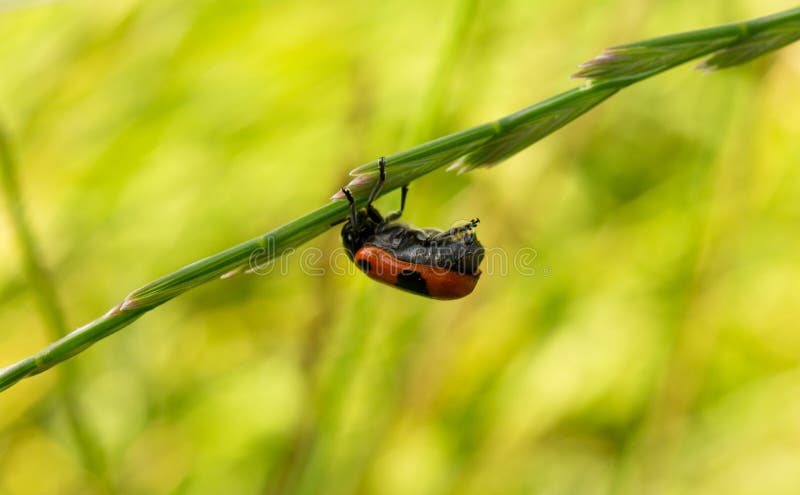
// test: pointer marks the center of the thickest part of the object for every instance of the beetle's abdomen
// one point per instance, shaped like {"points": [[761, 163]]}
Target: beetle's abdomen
{"points": [[423, 279]]}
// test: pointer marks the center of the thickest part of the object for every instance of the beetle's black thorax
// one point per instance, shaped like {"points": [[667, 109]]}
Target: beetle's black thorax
{"points": [[355, 236], [460, 252]]}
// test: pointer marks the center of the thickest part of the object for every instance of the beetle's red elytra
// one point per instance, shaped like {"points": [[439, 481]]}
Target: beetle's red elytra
{"points": [[427, 262], [431, 281]]}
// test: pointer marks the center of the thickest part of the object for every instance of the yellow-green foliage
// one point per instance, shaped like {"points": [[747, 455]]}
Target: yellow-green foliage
{"points": [[650, 346]]}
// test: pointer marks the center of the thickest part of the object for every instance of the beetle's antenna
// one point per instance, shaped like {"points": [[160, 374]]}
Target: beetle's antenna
{"points": [[456, 230]]}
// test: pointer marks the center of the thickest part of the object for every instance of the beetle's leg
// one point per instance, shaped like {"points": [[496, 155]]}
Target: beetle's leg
{"points": [[379, 184], [373, 212], [352, 202], [455, 230], [396, 214]]}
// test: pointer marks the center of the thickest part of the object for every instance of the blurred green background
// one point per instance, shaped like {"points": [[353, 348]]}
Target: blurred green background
{"points": [[653, 348]]}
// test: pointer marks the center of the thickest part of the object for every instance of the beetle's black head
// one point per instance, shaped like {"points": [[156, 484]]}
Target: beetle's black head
{"points": [[472, 256], [354, 235]]}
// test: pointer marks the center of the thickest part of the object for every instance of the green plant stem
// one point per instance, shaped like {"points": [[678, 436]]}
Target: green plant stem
{"points": [[730, 44], [47, 300], [479, 146]]}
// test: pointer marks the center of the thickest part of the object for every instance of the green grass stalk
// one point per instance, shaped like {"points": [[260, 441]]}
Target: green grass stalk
{"points": [[483, 145], [44, 292]]}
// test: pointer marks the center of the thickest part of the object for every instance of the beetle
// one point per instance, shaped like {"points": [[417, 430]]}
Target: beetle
{"points": [[428, 262]]}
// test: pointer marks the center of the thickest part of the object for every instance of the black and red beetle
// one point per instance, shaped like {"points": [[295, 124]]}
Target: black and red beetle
{"points": [[428, 262]]}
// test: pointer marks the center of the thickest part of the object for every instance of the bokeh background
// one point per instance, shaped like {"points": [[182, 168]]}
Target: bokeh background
{"points": [[654, 347]]}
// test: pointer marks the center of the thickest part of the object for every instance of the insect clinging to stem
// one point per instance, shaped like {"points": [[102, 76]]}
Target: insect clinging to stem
{"points": [[429, 262]]}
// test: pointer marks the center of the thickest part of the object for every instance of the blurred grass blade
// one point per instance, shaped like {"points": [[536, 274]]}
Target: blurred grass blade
{"points": [[731, 44], [44, 292], [482, 145], [7, 5]]}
